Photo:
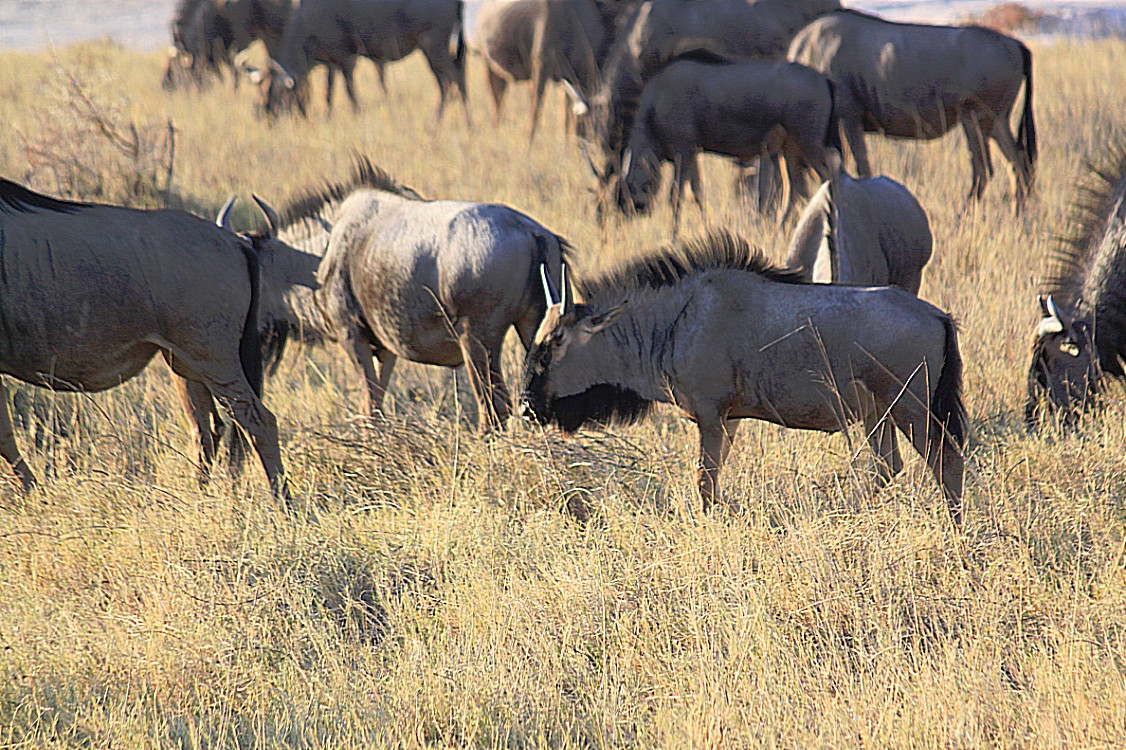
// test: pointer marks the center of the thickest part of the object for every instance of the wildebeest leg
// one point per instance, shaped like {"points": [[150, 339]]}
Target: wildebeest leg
{"points": [[692, 174], [942, 456], [979, 156], [730, 427], [879, 432], [441, 73], [482, 365], [330, 86], [795, 183], [497, 87], [200, 408], [381, 71], [1018, 164], [713, 447], [8, 447], [346, 71], [361, 350], [854, 136], [768, 182], [240, 401]]}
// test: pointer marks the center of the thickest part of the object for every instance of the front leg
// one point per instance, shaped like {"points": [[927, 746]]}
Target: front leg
{"points": [[8, 447], [714, 444]]}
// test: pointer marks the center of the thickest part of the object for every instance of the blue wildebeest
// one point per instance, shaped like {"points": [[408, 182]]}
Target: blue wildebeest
{"points": [[920, 81], [714, 329], [740, 110], [90, 293], [339, 32], [1082, 332], [870, 232], [432, 281]]}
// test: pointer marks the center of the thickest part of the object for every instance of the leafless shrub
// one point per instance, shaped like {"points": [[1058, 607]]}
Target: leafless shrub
{"points": [[86, 145]]}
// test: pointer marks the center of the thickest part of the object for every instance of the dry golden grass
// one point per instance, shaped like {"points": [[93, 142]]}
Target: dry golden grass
{"points": [[531, 591]]}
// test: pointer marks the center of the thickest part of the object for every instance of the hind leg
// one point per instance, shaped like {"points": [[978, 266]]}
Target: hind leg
{"points": [[1020, 175], [363, 351], [979, 156], [482, 354], [8, 447], [200, 408], [497, 86], [943, 457], [879, 432], [854, 136]]}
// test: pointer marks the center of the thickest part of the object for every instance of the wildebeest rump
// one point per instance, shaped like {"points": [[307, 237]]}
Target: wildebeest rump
{"points": [[869, 232], [714, 329], [740, 110], [921, 81], [338, 32], [436, 282], [89, 293], [1082, 331]]}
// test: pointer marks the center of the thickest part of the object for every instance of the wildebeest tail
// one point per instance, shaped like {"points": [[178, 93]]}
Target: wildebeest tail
{"points": [[250, 345], [833, 131], [1026, 132], [946, 404]]}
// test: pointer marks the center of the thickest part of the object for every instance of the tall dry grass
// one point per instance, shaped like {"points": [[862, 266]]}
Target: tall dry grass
{"points": [[530, 591]]}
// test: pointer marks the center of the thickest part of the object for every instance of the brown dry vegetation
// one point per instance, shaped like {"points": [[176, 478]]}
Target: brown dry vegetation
{"points": [[531, 591]]}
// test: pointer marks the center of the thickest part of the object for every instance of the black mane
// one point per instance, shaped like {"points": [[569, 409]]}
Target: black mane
{"points": [[16, 198], [671, 265], [310, 204], [1089, 219]]}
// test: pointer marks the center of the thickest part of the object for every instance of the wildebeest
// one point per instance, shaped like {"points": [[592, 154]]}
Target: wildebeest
{"points": [[919, 81], [869, 231], [89, 293], [1082, 333], [545, 40], [430, 281], [716, 330], [338, 32], [659, 31], [741, 110], [208, 34]]}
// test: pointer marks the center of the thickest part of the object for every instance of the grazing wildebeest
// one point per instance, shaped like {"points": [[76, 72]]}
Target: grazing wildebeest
{"points": [[741, 110], [716, 330], [338, 32], [870, 231], [436, 282], [89, 293], [1082, 334], [545, 40], [919, 81], [208, 34]]}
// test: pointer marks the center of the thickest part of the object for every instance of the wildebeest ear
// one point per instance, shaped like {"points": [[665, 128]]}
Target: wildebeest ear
{"points": [[596, 323]]}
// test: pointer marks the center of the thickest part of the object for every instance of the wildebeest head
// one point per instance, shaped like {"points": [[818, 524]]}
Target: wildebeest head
{"points": [[277, 91], [287, 305], [563, 382], [641, 178], [1065, 366]]}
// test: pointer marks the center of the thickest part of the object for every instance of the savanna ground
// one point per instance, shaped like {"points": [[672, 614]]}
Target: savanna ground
{"points": [[532, 591]]}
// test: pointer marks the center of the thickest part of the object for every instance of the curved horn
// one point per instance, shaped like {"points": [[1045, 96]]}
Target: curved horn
{"points": [[566, 295], [627, 161], [578, 101], [223, 220], [272, 218], [549, 290], [1054, 312]]}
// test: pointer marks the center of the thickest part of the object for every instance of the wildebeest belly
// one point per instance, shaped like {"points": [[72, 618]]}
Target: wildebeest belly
{"points": [[82, 368], [415, 326]]}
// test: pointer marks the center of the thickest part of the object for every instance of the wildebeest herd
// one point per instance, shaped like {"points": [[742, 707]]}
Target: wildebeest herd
{"points": [[835, 335]]}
